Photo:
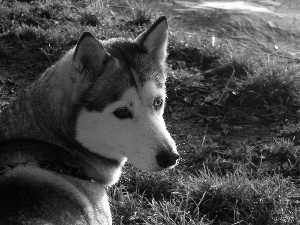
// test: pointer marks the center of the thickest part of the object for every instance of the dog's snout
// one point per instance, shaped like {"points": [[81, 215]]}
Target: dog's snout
{"points": [[166, 159]]}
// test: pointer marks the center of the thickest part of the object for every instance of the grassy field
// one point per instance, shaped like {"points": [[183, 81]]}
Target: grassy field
{"points": [[233, 113]]}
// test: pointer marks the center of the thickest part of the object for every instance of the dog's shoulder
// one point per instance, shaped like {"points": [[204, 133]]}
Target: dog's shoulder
{"points": [[30, 194]]}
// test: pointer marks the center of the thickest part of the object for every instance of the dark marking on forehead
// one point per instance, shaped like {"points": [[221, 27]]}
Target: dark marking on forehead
{"points": [[139, 61], [108, 88], [145, 74]]}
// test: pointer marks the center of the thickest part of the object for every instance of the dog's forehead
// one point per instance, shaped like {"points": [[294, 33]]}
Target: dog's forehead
{"points": [[145, 70], [144, 95], [142, 66]]}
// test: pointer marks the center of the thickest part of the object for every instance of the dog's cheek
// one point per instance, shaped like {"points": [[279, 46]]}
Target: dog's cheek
{"points": [[133, 141], [141, 145], [99, 133]]}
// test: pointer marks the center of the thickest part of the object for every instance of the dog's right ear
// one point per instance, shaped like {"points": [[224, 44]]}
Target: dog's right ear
{"points": [[88, 59], [154, 40]]}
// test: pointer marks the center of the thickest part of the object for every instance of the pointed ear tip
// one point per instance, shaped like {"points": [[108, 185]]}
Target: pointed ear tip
{"points": [[83, 37], [163, 19], [86, 34], [85, 41]]}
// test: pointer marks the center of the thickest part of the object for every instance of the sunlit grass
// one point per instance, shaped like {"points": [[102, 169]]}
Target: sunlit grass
{"points": [[205, 198]]}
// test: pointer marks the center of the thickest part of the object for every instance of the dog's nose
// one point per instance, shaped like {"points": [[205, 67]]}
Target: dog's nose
{"points": [[166, 159]]}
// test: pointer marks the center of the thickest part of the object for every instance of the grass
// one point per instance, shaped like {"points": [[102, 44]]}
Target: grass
{"points": [[233, 113], [205, 198]]}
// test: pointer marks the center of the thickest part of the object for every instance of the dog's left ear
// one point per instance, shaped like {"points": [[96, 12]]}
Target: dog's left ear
{"points": [[155, 40], [88, 58]]}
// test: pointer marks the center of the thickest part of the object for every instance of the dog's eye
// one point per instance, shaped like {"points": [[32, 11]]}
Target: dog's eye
{"points": [[158, 102], [122, 113]]}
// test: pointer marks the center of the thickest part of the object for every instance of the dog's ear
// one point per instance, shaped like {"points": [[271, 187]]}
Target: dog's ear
{"points": [[88, 59], [155, 40]]}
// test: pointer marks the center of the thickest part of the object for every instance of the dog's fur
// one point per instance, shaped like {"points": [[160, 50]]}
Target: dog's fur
{"points": [[102, 103]]}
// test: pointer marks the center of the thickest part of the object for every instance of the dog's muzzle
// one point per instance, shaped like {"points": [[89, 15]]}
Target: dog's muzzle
{"points": [[166, 159]]}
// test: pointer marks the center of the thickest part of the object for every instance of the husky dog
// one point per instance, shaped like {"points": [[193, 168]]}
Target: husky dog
{"points": [[67, 136]]}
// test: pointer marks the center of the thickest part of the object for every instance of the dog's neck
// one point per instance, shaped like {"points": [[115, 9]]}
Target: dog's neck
{"points": [[41, 110], [45, 111]]}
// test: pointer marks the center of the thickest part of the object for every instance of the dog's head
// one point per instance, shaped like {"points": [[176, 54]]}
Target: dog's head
{"points": [[119, 90]]}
